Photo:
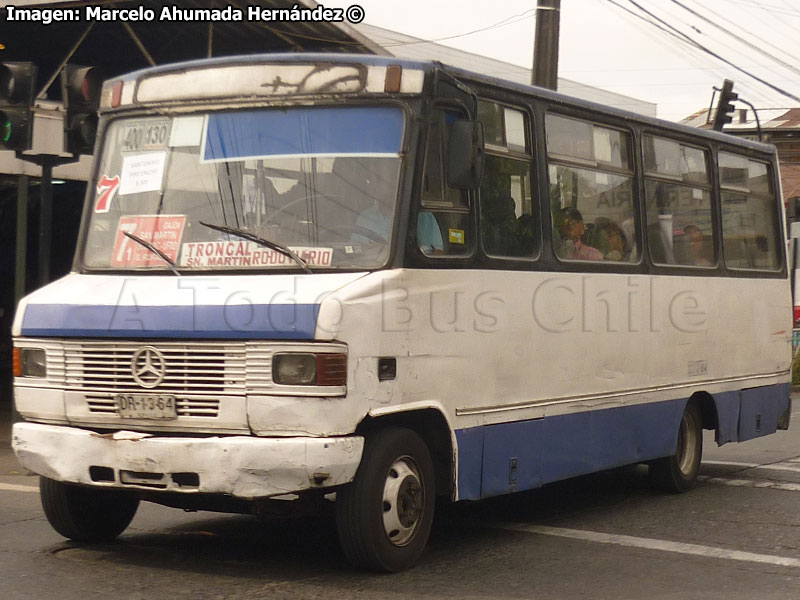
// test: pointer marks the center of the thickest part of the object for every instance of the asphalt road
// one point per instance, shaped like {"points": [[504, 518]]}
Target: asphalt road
{"points": [[736, 535]]}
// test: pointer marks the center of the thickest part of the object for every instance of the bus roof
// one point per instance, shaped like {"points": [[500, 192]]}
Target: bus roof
{"points": [[430, 66]]}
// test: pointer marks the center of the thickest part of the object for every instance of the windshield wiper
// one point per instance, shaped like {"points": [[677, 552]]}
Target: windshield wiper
{"points": [[154, 250], [285, 250]]}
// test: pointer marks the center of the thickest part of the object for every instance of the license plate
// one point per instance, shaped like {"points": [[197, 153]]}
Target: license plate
{"points": [[146, 406]]}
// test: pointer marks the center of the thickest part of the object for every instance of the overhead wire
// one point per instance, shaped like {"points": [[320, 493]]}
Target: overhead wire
{"points": [[649, 22], [689, 40], [762, 5], [779, 19], [689, 53], [674, 46], [755, 92], [766, 42], [528, 14], [783, 21], [777, 69]]}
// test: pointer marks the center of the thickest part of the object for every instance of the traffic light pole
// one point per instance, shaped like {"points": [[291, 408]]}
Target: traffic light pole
{"points": [[45, 223], [22, 237], [21, 255], [47, 162]]}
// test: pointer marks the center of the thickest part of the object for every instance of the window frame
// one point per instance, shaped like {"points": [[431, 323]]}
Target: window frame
{"points": [[634, 160], [418, 205], [712, 187], [529, 158], [777, 204]]}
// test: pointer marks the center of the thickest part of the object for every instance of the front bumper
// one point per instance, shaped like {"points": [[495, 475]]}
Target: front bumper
{"points": [[241, 466]]}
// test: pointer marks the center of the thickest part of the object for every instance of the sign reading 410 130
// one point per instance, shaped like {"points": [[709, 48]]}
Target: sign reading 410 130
{"points": [[145, 134]]}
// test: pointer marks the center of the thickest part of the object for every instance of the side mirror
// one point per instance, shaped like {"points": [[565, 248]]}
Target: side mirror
{"points": [[464, 167]]}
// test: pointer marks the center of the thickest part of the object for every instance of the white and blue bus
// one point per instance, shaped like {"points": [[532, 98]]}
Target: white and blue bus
{"points": [[305, 279]]}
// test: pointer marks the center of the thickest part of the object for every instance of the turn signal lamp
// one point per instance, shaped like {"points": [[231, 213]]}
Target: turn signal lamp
{"points": [[17, 362], [30, 362]]}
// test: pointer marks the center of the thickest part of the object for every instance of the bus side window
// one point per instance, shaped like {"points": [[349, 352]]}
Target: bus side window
{"points": [[678, 197], [750, 218], [591, 191], [508, 224], [444, 217]]}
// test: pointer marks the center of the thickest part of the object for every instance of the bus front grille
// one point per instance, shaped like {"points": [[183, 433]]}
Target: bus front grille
{"points": [[193, 368]]}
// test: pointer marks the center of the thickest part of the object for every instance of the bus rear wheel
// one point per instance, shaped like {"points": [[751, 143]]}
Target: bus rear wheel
{"points": [[677, 473], [86, 514], [384, 516]]}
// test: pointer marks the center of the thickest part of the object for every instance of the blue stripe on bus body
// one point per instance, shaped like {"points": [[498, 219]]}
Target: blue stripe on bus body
{"points": [[257, 321], [508, 457]]}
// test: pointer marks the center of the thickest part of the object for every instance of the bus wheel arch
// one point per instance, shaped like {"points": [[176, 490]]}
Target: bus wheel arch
{"points": [[708, 409], [431, 425]]}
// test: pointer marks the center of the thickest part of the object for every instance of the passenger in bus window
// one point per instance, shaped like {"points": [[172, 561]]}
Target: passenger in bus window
{"points": [[374, 225], [499, 224], [524, 241], [611, 240], [697, 246], [569, 223]]}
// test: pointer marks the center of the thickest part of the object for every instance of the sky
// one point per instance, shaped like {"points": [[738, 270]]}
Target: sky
{"points": [[612, 44]]}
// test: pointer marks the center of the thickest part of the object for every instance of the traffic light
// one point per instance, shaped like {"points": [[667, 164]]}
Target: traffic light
{"points": [[80, 93], [17, 82], [723, 114]]}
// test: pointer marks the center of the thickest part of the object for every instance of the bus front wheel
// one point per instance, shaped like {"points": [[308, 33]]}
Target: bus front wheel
{"points": [[384, 516], [677, 473], [86, 514]]}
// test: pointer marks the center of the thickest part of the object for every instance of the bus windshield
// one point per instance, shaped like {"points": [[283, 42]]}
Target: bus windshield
{"points": [[321, 181]]}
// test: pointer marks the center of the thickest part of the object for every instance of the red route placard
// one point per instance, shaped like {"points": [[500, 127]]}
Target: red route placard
{"points": [[163, 231]]}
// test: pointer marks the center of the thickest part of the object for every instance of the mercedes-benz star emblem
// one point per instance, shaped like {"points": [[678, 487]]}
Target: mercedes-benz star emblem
{"points": [[148, 367]]}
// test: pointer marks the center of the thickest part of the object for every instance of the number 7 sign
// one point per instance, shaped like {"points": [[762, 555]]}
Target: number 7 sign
{"points": [[106, 189]]}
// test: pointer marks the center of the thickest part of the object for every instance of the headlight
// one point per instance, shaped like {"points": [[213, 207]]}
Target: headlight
{"points": [[30, 362], [307, 368]]}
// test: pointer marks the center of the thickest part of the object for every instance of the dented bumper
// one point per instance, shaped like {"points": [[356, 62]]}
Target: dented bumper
{"points": [[241, 466]]}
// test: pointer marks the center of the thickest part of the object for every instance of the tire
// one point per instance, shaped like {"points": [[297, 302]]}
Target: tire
{"points": [[384, 516], [677, 473], [86, 514]]}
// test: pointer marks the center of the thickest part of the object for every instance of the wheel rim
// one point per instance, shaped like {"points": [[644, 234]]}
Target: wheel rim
{"points": [[687, 444], [403, 501]]}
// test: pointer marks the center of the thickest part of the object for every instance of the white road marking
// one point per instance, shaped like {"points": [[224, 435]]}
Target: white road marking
{"points": [[653, 544], [11, 487], [727, 463], [781, 466], [753, 483]]}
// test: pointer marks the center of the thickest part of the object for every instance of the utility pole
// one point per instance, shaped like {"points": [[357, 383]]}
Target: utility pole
{"points": [[545, 44]]}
